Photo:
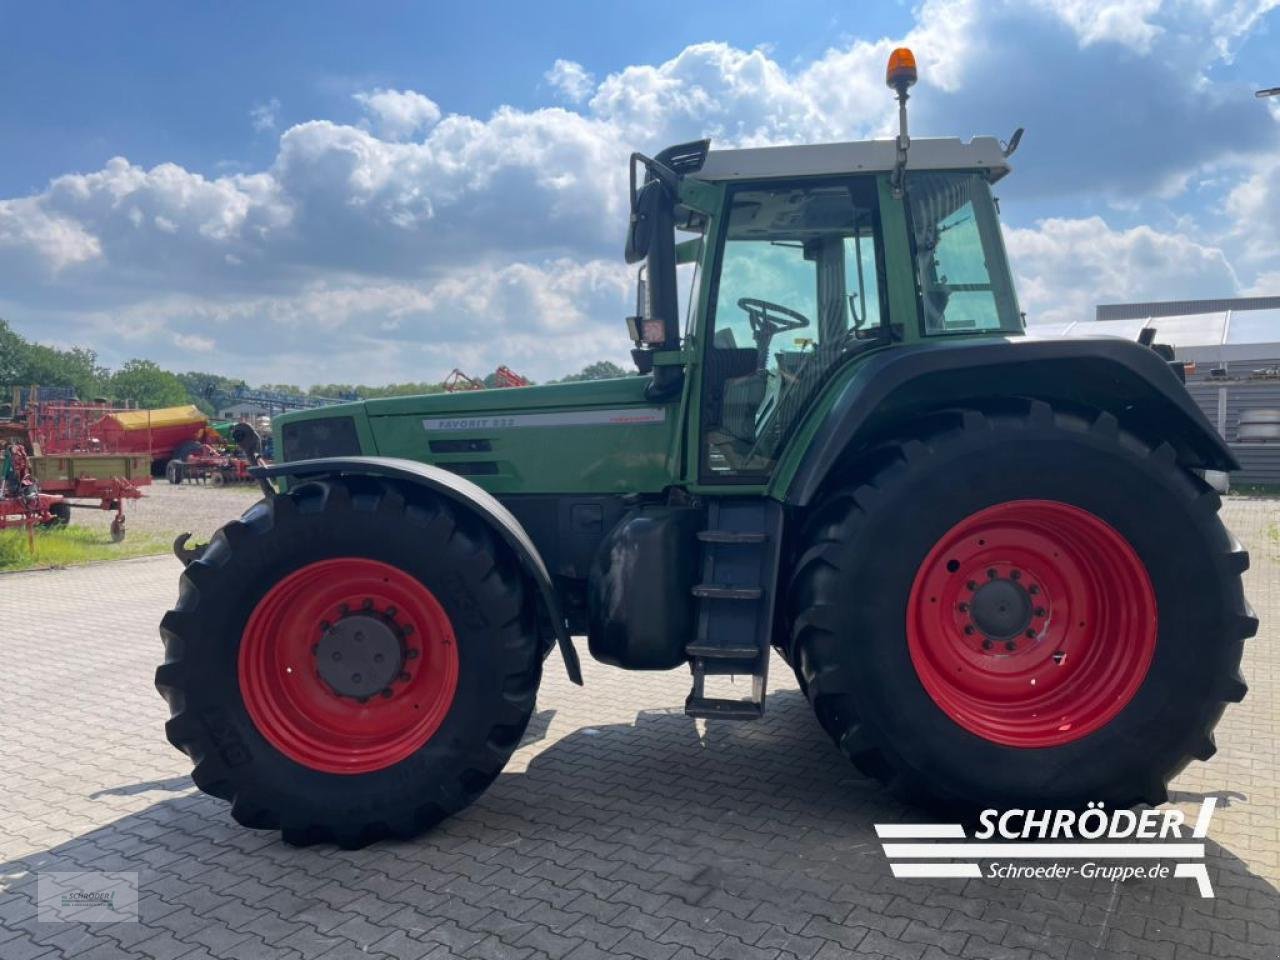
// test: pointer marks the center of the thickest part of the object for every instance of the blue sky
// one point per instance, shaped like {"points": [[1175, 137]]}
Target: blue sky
{"points": [[374, 192]]}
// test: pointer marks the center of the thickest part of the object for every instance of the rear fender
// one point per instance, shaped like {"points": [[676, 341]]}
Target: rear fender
{"points": [[468, 496], [1104, 373]]}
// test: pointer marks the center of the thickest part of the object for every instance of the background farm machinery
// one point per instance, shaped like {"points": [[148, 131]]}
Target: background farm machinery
{"points": [[21, 502], [71, 461]]}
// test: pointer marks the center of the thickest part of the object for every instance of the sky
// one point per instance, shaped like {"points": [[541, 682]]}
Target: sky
{"points": [[372, 193]]}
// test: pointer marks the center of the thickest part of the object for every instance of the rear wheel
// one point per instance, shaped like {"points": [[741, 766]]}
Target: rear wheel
{"points": [[1025, 607], [346, 664], [175, 472]]}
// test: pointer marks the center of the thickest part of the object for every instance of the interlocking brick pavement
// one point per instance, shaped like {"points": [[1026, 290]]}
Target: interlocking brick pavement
{"points": [[621, 828]]}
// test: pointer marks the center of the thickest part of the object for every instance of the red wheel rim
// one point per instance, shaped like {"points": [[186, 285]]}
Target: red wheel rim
{"points": [[1087, 641], [287, 666]]}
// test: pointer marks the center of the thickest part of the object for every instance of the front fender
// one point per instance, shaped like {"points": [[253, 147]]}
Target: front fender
{"points": [[898, 383], [467, 495]]}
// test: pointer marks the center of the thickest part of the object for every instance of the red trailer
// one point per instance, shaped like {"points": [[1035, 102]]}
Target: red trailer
{"points": [[72, 460], [166, 433]]}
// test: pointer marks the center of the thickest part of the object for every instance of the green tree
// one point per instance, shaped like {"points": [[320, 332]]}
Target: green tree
{"points": [[144, 383], [209, 391], [600, 370], [23, 363]]}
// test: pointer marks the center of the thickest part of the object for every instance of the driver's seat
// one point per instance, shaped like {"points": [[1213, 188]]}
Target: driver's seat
{"points": [[742, 398]]}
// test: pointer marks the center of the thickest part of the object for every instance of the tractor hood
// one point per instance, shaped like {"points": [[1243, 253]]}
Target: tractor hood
{"points": [[601, 436]]}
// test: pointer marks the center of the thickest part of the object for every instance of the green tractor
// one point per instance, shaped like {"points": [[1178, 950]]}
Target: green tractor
{"points": [[991, 560]]}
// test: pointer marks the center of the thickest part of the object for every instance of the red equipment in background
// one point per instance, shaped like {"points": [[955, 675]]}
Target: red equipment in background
{"points": [[163, 433], [504, 375], [72, 459], [507, 377], [208, 463], [21, 502]]}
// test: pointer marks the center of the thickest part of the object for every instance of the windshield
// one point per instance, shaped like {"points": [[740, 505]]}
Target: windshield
{"points": [[799, 286]]}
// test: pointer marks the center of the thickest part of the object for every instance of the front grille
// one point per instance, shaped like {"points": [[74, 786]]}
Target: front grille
{"points": [[326, 437]]}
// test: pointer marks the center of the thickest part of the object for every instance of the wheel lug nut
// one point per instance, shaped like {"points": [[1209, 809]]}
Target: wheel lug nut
{"points": [[987, 644], [411, 654], [407, 630], [386, 692], [391, 611], [964, 608], [1030, 633], [368, 604], [991, 573], [968, 631], [1010, 645], [343, 609], [1039, 611], [972, 585], [325, 625], [1015, 574], [404, 676], [1033, 589]]}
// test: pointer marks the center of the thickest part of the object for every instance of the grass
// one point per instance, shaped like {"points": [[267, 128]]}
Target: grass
{"points": [[66, 546]]}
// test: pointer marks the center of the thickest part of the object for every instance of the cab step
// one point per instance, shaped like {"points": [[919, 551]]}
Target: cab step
{"points": [[713, 652], [732, 536], [740, 550], [710, 709], [715, 591]]}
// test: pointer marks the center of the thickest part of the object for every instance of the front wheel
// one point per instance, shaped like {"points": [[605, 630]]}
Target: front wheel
{"points": [[1021, 608], [349, 661]]}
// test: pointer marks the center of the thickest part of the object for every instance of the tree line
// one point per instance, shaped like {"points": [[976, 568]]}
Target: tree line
{"points": [[145, 384]]}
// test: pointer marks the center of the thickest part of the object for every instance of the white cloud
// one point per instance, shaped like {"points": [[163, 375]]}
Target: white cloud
{"points": [[571, 79], [398, 114], [1064, 268], [1254, 208], [263, 116], [33, 236]]}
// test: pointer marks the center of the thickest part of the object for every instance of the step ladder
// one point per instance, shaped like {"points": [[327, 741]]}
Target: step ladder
{"points": [[740, 548]]}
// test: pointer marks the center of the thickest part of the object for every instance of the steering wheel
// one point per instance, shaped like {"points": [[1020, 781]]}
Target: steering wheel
{"points": [[771, 318], [768, 319]]}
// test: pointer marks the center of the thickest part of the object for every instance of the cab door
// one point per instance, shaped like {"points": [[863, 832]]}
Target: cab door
{"points": [[797, 287]]}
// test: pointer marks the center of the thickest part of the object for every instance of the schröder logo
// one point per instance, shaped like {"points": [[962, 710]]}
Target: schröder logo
{"points": [[1067, 843]]}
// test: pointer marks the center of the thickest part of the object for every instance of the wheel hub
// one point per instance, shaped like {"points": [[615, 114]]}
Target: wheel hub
{"points": [[1001, 609], [359, 656]]}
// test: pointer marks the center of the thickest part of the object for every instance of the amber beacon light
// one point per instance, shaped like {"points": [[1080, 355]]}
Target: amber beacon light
{"points": [[901, 72]]}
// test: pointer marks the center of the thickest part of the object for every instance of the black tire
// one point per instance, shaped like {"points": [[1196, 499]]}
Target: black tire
{"points": [[61, 514], [175, 472], [475, 579], [859, 556]]}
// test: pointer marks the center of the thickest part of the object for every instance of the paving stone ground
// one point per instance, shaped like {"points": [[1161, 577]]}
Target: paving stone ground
{"points": [[621, 828]]}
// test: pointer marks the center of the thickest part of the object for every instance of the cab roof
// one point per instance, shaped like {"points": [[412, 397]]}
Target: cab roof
{"points": [[863, 156]]}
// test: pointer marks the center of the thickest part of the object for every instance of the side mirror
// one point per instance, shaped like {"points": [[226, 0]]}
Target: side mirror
{"points": [[640, 229]]}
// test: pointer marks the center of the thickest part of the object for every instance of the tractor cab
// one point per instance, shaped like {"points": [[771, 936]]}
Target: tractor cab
{"points": [[805, 258]]}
